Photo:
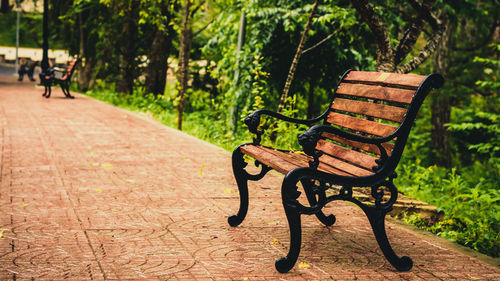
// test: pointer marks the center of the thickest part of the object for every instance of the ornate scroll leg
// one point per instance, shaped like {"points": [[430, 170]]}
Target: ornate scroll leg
{"points": [[376, 216], [242, 181], [242, 178], [326, 220], [289, 195]]}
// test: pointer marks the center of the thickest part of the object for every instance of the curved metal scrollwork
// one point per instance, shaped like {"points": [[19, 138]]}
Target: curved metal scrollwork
{"points": [[261, 174], [317, 187], [378, 194]]}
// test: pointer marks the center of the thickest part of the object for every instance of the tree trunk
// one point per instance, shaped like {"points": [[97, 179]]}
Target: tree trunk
{"points": [[82, 86], [185, 47], [440, 105], [85, 76], [156, 73], [128, 53], [440, 136], [5, 6]]}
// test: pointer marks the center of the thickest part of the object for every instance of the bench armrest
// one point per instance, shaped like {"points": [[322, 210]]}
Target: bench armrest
{"points": [[58, 69], [309, 139], [253, 121]]}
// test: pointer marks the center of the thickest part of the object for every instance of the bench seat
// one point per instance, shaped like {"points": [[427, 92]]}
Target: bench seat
{"points": [[285, 161]]}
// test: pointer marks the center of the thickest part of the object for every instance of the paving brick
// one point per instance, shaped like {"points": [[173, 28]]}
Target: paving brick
{"points": [[92, 192]]}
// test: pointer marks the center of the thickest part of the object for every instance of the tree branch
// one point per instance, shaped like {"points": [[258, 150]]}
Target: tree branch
{"points": [[195, 9], [203, 28], [425, 52], [296, 59], [320, 42], [426, 13], [384, 49], [413, 32]]}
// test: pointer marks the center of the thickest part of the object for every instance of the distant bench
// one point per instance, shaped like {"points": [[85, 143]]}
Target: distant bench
{"points": [[358, 143], [61, 76]]}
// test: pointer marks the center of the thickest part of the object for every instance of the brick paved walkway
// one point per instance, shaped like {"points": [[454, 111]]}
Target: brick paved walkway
{"points": [[89, 191]]}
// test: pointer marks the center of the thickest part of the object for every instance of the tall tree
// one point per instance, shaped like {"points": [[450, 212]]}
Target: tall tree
{"points": [[184, 49], [161, 14], [129, 47], [186, 38], [471, 29]]}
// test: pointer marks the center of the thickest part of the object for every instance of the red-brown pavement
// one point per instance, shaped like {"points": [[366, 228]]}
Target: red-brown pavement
{"points": [[92, 192]]}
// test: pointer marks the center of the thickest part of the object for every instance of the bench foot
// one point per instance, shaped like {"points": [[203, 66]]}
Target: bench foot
{"points": [[65, 89], [283, 265], [377, 221], [289, 195], [376, 216]]}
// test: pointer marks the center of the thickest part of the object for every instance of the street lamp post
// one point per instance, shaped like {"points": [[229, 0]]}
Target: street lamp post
{"points": [[45, 46], [18, 5]]}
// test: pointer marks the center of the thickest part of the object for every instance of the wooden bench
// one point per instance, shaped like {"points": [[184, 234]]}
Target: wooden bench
{"points": [[61, 76], [358, 143]]}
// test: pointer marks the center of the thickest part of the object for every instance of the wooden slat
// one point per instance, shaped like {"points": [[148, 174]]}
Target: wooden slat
{"points": [[383, 111], [302, 160], [284, 162], [361, 125], [344, 166], [376, 92], [327, 163], [268, 159], [364, 146], [408, 81], [355, 157]]}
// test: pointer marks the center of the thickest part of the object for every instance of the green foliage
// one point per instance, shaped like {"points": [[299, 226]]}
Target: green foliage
{"points": [[30, 34], [471, 202]]}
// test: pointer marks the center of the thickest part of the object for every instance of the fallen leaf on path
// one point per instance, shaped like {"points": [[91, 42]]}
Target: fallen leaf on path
{"points": [[98, 190], [275, 241], [304, 265], [228, 191], [94, 164], [107, 165], [23, 205]]}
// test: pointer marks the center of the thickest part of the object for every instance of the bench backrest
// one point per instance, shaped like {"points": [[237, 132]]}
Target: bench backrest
{"points": [[375, 104], [70, 69]]}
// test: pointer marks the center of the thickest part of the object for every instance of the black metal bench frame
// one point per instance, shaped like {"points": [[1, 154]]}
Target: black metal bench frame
{"points": [[59, 76], [315, 182]]}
